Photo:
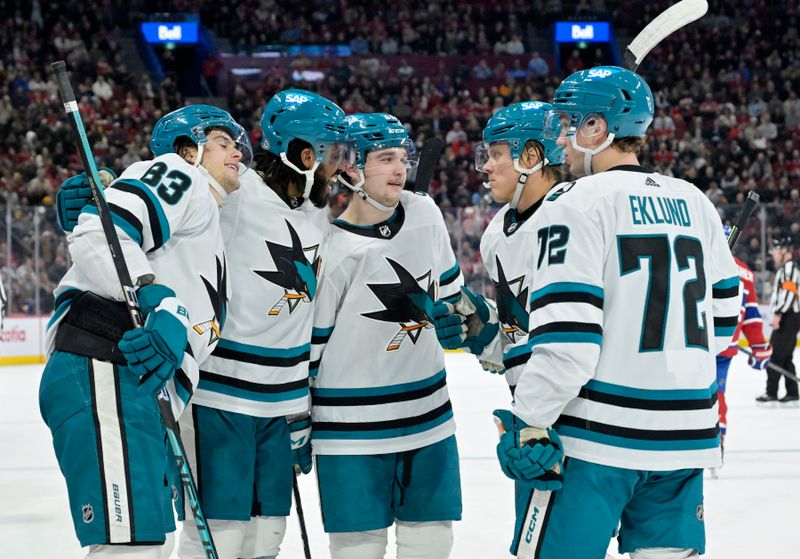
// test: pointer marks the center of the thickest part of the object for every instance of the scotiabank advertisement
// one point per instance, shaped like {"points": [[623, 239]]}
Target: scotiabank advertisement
{"points": [[22, 339]]}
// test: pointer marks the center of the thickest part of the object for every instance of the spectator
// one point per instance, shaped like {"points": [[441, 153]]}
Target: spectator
{"points": [[538, 66]]}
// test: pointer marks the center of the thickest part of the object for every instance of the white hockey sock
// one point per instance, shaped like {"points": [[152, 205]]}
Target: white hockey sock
{"points": [[263, 537], [424, 540], [359, 545], [664, 553], [228, 539], [124, 552]]}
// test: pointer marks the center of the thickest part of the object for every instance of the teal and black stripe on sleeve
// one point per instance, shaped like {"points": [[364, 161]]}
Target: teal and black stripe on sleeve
{"points": [[450, 275], [567, 292], [549, 302], [157, 219], [123, 219], [726, 288]]}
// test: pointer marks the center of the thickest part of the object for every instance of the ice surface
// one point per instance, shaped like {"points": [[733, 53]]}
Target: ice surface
{"points": [[751, 510]]}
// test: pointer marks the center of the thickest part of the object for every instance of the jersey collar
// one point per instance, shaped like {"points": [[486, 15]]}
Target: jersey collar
{"points": [[514, 219], [383, 230], [632, 169]]}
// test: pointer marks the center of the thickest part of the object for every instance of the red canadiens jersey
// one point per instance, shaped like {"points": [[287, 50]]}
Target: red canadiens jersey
{"points": [[749, 317]]}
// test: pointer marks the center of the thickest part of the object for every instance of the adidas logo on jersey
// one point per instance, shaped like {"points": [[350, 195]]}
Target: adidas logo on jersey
{"points": [[650, 182]]}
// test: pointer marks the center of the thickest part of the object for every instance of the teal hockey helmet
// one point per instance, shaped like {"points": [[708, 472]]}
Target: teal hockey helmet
{"points": [[620, 96], [192, 122], [371, 131], [300, 114], [517, 124]]}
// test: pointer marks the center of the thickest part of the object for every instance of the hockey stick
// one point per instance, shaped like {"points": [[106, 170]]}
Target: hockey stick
{"points": [[776, 368], [747, 210], [301, 518], [428, 160], [667, 22], [85, 151]]}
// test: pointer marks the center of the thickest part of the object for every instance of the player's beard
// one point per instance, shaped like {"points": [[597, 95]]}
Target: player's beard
{"points": [[319, 190]]}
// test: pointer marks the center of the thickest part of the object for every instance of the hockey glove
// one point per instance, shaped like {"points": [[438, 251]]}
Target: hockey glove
{"points": [[300, 431], [73, 195], [529, 454], [470, 324], [759, 356], [155, 350], [450, 327]]}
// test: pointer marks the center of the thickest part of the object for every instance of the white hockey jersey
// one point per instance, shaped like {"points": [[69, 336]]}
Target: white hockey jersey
{"points": [[507, 251], [381, 383], [168, 225], [634, 294], [260, 366]]}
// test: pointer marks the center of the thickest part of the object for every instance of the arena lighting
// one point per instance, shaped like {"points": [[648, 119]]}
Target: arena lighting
{"points": [[583, 31], [160, 32]]}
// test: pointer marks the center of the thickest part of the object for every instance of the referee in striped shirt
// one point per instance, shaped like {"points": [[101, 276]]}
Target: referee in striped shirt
{"points": [[785, 304]]}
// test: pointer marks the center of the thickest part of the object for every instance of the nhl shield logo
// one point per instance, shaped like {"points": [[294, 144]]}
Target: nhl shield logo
{"points": [[88, 513], [384, 230]]}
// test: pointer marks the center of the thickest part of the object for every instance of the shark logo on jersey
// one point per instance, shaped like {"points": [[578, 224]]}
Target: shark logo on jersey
{"points": [[407, 303], [296, 273], [218, 295], [511, 308]]}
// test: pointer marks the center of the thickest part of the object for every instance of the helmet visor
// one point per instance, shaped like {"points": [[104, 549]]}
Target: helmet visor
{"points": [[240, 141], [494, 152], [334, 154], [587, 125]]}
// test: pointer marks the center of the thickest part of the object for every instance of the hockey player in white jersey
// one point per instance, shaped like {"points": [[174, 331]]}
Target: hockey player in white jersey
{"points": [[520, 155], [523, 162], [383, 430], [257, 377], [634, 293], [98, 386]]}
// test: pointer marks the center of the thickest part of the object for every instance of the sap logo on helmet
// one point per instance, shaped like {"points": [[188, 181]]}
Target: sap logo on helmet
{"points": [[583, 32], [296, 98], [167, 33], [532, 105], [600, 72]]}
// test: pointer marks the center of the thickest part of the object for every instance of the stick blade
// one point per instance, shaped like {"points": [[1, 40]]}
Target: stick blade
{"points": [[667, 22]]}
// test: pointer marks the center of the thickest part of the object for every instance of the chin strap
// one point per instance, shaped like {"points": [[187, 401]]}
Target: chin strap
{"points": [[358, 188], [523, 178], [212, 182], [589, 153], [309, 173]]}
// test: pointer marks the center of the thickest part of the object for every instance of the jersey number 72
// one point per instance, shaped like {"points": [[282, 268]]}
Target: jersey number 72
{"points": [[656, 250]]}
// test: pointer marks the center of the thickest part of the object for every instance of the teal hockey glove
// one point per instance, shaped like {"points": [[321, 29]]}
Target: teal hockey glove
{"points": [[470, 324], [155, 351], [480, 319], [300, 431], [450, 327], [73, 195], [529, 454]]}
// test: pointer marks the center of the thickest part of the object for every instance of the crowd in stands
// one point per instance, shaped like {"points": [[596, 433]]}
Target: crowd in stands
{"points": [[726, 88]]}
